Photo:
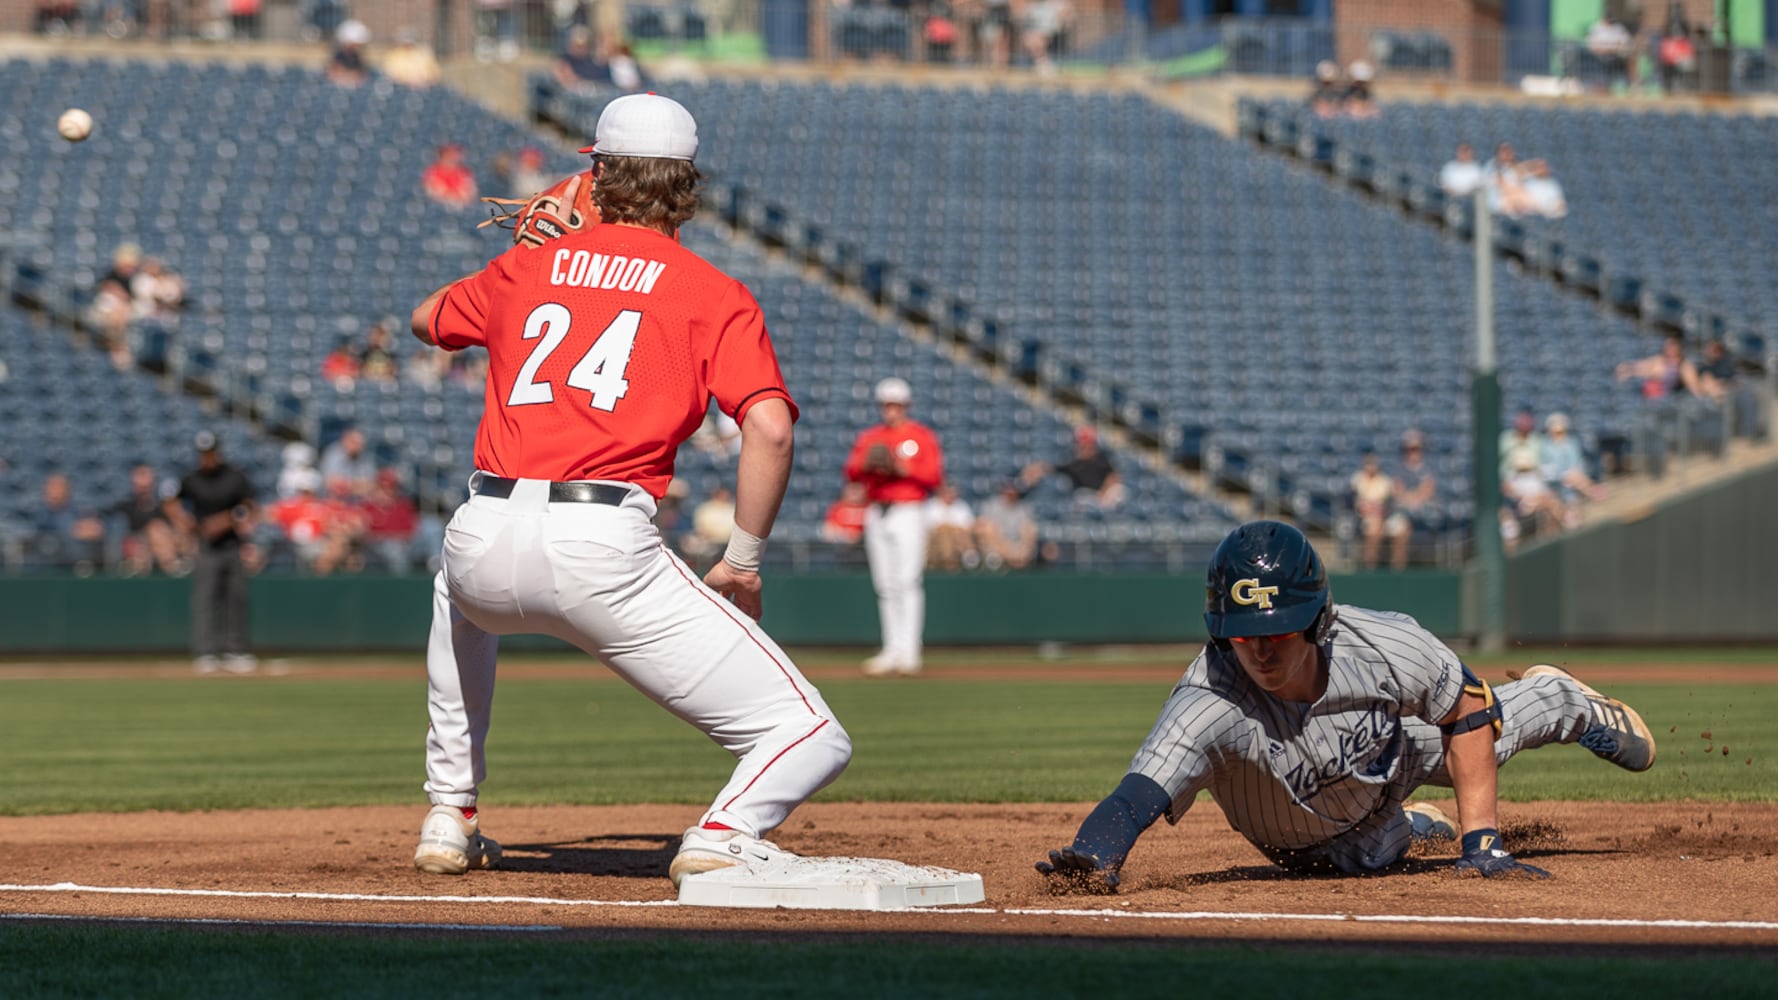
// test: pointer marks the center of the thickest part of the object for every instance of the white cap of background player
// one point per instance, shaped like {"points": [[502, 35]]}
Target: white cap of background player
{"points": [[894, 390], [648, 126]]}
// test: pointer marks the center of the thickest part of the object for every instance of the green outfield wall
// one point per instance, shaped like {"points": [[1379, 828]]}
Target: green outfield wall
{"points": [[54, 615], [1703, 567]]}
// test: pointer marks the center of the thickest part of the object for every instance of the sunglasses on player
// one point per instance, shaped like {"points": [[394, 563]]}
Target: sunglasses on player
{"points": [[1244, 639]]}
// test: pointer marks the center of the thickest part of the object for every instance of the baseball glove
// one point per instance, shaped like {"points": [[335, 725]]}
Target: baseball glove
{"points": [[564, 207]]}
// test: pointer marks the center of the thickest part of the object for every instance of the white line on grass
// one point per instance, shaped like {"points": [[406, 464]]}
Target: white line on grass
{"points": [[1196, 915], [323, 924]]}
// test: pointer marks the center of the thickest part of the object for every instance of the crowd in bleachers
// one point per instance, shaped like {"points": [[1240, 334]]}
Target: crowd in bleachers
{"points": [[1127, 284]]}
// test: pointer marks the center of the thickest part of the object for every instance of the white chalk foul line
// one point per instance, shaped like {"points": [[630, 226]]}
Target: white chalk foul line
{"points": [[319, 924], [337, 897], [1196, 915], [1409, 918]]}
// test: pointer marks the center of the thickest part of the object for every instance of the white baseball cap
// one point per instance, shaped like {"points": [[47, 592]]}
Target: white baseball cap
{"points": [[894, 390], [645, 125]]}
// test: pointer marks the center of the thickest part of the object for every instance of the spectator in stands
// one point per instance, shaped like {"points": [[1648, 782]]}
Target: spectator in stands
{"points": [[1520, 444], [626, 72], [1720, 383], [1006, 530], [1528, 502], [1089, 472], [348, 460], [340, 365], [1612, 44], [1565, 468], [347, 66], [531, 175], [321, 530], [1665, 375], [109, 316], [669, 513], [950, 531], [1500, 173], [843, 524], [410, 63], [1373, 496], [718, 436], [496, 31], [578, 69], [1539, 193], [448, 180], [1359, 101], [940, 33], [376, 359], [221, 516], [322, 18], [1415, 490], [1462, 175], [1677, 54], [390, 521], [149, 541], [993, 22], [712, 522], [158, 292], [64, 536], [1043, 24], [56, 17], [298, 460], [1328, 98], [243, 17]]}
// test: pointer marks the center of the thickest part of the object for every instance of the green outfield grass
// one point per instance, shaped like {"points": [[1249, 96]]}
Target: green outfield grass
{"points": [[51, 961], [583, 737]]}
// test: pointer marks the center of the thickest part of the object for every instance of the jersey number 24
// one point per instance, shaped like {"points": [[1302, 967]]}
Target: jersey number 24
{"points": [[599, 371]]}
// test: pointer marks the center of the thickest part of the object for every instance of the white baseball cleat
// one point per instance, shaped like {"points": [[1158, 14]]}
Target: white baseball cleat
{"points": [[704, 850], [240, 663], [207, 664], [884, 665], [451, 844]]}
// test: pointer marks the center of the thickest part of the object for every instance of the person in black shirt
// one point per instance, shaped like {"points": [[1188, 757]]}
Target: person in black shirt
{"points": [[1090, 475], [149, 539], [220, 502]]}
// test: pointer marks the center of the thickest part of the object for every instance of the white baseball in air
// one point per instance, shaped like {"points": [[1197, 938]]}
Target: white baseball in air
{"points": [[74, 125]]}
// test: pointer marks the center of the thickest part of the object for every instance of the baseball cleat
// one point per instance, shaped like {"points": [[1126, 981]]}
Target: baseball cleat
{"points": [[1429, 822], [451, 844], [884, 665], [711, 850], [1617, 734], [207, 664]]}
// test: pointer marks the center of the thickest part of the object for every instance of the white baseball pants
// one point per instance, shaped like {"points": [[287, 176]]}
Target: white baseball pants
{"points": [[600, 577], [895, 545]]}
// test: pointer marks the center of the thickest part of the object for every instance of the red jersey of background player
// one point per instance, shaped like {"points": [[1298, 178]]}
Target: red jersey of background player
{"points": [[917, 457], [604, 350]]}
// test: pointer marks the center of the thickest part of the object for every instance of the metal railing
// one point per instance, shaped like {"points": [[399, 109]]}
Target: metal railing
{"points": [[1044, 36]]}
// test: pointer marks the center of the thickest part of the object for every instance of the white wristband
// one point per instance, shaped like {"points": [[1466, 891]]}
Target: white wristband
{"points": [[744, 550]]}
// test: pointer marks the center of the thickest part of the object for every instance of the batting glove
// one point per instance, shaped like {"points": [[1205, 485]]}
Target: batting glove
{"points": [[1482, 855], [1076, 871]]}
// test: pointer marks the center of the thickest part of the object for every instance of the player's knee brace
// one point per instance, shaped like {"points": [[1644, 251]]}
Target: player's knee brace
{"points": [[1488, 715]]}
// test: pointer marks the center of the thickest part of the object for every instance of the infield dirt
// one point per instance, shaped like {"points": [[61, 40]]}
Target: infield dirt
{"points": [[1711, 863]]}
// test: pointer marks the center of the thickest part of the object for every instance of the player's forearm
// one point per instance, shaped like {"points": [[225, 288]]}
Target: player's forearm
{"points": [[420, 322], [1474, 777], [768, 446], [1112, 828]]}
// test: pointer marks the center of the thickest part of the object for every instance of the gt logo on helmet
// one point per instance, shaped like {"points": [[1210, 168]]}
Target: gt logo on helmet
{"points": [[1250, 592]]}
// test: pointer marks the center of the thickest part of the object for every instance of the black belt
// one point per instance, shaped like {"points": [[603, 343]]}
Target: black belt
{"points": [[605, 493]]}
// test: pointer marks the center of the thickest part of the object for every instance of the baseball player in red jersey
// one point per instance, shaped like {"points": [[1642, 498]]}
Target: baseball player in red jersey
{"points": [[605, 347], [900, 464]]}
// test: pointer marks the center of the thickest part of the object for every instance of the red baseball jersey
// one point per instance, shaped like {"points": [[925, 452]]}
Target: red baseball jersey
{"points": [[605, 348], [917, 449]]}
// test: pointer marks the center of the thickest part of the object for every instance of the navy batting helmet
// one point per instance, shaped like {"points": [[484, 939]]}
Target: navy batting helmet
{"points": [[1265, 579]]}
